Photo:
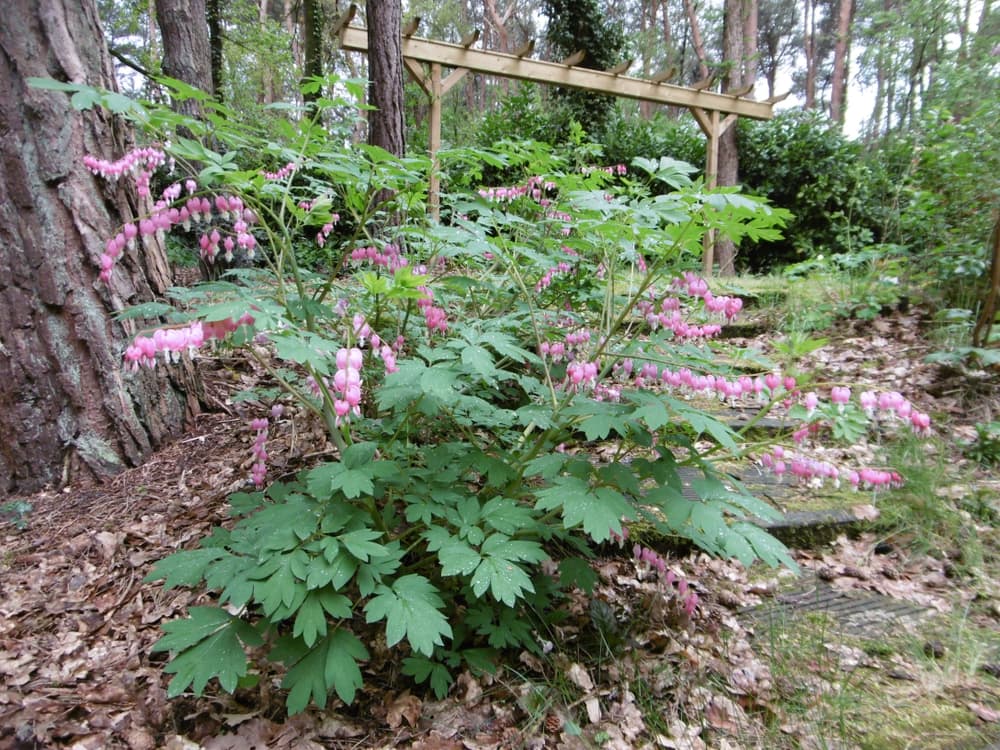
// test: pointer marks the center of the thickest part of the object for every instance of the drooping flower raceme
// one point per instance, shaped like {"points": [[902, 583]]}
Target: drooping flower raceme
{"points": [[347, 384], [259, 470]]}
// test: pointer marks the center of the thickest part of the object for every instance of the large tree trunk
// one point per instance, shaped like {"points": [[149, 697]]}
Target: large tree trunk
{"points": [[841, 54], [187, 53], [385, 71], [65, 401]]}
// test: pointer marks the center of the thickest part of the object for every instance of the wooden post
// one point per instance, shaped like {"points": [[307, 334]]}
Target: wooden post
{"points": [[709, 124], [433, 196]]}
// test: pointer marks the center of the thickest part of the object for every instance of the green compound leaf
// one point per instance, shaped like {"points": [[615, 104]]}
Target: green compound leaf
{"points": [[185, 568], [505, 580], [208, 644], [313, 671], [458, 558], [599, 510], [311, 620], [342, 671], [411, 608], [422, 669], [359, 543]]}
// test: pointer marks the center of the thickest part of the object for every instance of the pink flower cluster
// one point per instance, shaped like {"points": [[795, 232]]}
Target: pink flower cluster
{"points": [[569, 347], [760, 386], [581, 374], [140, 162], [435, 318], [281, 173], [327, 228], [801, 467], [230, 208], [696, 286], [686, 595], [165, 217], [896, 405], [561, 269], [536, 188], [389, 257], [874, 478], [347, 384], [810, 470], [171, 341], [174, 341], [364, 333], [259, 469], [617, 169]]}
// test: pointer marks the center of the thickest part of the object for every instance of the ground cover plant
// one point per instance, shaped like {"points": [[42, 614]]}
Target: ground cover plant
{"points": [[496, 396]]}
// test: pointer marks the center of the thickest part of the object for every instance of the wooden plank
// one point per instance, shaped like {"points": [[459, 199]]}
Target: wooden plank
{"points": [[540, 71]]}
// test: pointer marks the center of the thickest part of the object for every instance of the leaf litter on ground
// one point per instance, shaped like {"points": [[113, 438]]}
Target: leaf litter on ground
{"points": [[77, 623]]}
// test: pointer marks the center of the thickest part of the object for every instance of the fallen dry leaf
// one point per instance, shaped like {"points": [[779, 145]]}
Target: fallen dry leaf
{"points": [[405, 706], [577, 674]]}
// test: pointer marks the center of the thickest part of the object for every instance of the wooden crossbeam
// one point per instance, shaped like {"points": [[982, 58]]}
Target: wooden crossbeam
{"points": [[541, 71]]}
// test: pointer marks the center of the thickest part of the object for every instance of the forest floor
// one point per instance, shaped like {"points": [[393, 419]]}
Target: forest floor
{"points": [[77, 622]]}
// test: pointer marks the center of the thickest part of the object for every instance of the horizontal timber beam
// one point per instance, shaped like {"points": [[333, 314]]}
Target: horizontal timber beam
{"points": [[557, 74]]}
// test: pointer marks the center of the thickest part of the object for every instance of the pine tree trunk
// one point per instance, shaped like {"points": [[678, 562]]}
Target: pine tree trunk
{"points": [[187, 53], [385, 71], [841, 54], [65, 400]]}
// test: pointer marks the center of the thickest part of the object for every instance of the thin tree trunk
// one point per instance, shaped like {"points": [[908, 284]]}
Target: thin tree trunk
{"points": [[66, 402], [267, 92], [841, 55], [214, 17], [739, 41], [809, 50], [696, 40]]}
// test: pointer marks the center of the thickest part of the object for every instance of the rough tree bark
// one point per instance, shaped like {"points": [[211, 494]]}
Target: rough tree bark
{"points": [[187, 53], [65, 401], [385, 72], [214, 18], [312, 31]]}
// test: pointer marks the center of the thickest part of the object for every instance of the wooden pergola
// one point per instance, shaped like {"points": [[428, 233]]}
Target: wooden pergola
{"points": [[714, 112]]}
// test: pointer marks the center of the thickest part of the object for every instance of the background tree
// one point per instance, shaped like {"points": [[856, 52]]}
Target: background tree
{"points": [[777, 38], [312, 28], [66, 400], [582, 25], [739, 41], [187, 54], [841, 58], [385, 73]]}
